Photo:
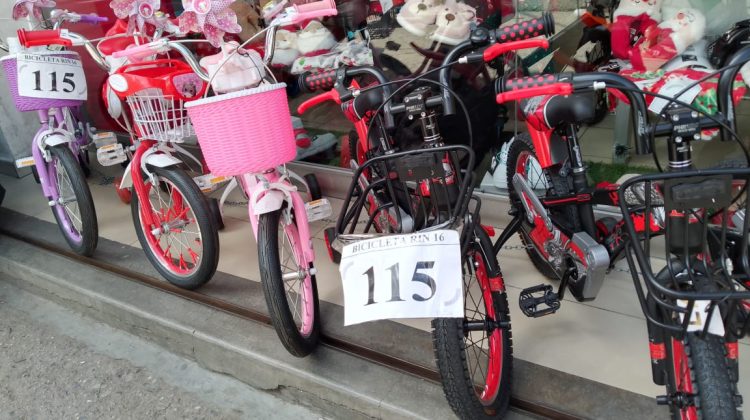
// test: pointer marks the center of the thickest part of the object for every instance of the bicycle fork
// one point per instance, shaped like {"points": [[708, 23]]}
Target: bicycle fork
{"points": [[268, 192]]}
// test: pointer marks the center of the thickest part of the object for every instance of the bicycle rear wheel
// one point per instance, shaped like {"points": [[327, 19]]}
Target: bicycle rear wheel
{"points": [[75, 212], [289, 287], [476, 364], [183, 244]]}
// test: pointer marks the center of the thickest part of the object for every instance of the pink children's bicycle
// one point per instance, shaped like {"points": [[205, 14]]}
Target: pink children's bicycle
{"points": [[247, 134]]}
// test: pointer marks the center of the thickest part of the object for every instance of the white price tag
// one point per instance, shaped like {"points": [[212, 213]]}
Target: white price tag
{"points": [[699, 316], [415, 275], [51, 76]]}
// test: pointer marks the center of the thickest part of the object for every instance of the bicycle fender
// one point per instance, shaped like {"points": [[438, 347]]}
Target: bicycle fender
{"points": [[272, 200], [55, 140], [161, 160], [127, 177]]}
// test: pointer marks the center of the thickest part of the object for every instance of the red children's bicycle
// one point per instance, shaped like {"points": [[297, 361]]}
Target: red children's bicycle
{"points": [[683, 232]]}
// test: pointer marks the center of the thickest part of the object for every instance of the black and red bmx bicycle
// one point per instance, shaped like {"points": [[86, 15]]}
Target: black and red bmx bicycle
{"points": [[683, 232]]}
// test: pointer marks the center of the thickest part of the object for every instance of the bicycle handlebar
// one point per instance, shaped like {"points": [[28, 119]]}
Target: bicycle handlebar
{"points": [[141, 51], [61, 37], [161, 46], [328, 79], [331, 95], [566, 83], [310, 82], [43, 38], [482, 37], [527, 29], [61, 16]]}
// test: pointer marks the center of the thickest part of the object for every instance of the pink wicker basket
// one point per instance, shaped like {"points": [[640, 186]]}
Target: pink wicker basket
{"points": [[246, 131], [33, 104]]}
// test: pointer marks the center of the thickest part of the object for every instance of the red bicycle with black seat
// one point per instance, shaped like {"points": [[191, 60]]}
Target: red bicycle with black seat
{"points": [[683, 232]]}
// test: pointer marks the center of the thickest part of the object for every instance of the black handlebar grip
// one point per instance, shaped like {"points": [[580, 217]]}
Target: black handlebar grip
{"points": [[507, 84], [311, 82], [544, 25]]}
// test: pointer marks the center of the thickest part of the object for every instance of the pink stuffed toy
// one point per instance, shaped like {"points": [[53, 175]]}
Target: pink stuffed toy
{"points": [[669, 39], [24, 8], [630, 21]]}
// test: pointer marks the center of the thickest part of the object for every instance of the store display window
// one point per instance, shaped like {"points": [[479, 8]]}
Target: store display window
{"points": [[654, 42]]}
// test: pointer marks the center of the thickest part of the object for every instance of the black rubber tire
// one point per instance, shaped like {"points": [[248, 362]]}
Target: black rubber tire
{"points": [[35, 173], [714, 391], [275, 293], [201, 209], [213, 205], [313, 188], [89, 224], [85, 162], [451, 352], [560, 186]]}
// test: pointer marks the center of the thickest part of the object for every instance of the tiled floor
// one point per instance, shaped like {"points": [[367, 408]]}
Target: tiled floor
{"points": [[604, 340]]}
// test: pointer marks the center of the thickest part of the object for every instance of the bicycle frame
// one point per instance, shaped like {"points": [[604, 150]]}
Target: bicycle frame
{"points": [[50, 137]]}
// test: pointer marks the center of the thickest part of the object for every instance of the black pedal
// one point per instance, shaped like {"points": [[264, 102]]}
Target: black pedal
{"points": [[538, 301]]}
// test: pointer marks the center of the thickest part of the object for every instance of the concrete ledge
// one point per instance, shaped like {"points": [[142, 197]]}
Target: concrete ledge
{"points": [[192, 329], [334, 382]]}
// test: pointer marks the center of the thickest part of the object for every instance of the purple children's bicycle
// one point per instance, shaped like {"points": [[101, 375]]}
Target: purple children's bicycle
{"points": [[52, 83]]}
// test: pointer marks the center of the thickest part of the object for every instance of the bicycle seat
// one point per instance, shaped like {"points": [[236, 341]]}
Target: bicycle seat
{"points": [[572, 109]]}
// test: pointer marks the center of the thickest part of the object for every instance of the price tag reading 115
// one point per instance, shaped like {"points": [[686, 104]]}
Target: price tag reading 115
{"points": [[403, 276], [51, 76]]}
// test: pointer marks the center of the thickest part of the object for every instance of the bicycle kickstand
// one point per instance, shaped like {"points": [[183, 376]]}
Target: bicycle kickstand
{"points": [[512, 228]]}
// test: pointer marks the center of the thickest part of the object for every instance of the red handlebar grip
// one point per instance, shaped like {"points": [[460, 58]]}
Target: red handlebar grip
{"points": [[318, 81], [496, 50], [526, 29], [509, 84], [42, 38], [331, 95], [523, 93]]}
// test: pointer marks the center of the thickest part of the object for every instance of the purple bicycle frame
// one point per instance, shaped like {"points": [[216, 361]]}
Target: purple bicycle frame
{"points": [[47, 173]]}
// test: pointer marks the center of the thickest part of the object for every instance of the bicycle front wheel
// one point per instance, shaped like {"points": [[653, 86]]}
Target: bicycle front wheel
{"points": [[182, 243], [74, 211], [475, 354], [699, 373], [288, 285]]}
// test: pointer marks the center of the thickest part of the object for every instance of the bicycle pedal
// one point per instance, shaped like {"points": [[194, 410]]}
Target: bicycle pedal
{"points": [[318, 210], [538, 301], [209, 183], [111, 154]]}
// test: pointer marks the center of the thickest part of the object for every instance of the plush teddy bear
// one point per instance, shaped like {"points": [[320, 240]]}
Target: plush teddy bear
{"points": [[669, 39], [630, 21]]}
